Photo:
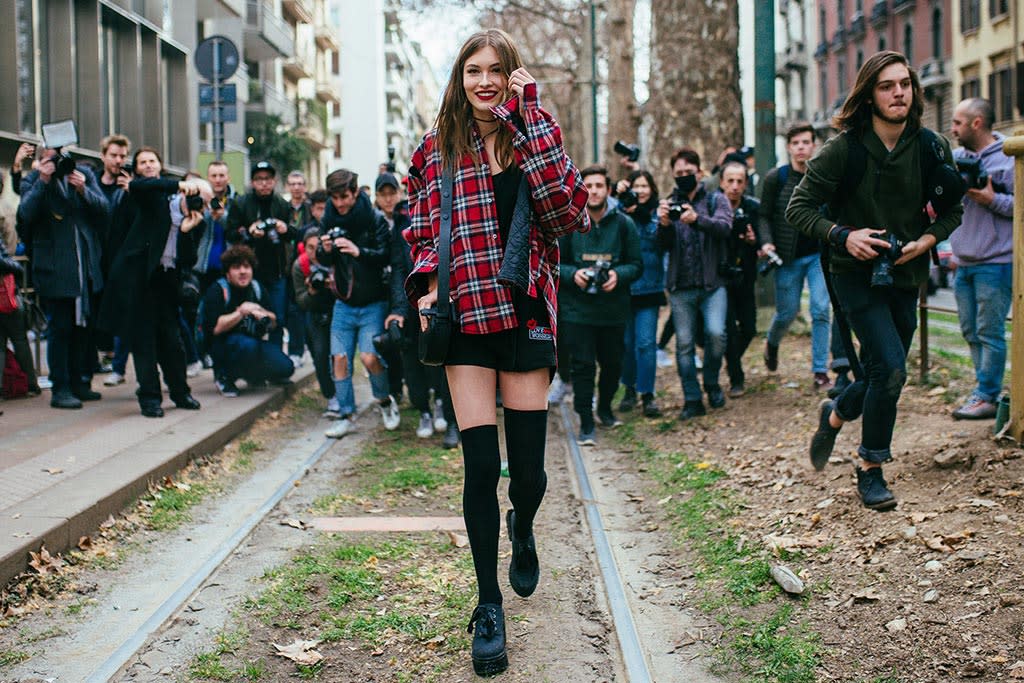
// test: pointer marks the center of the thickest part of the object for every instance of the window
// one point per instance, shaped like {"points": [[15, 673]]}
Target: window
{"points": [[337, 145], [841, 75], [1000, 92], [998, 8], [841, 11], [937, 33], [822, 25], [908, 41], [970, 15], [335, 63], [823, 92], [860, 59], [881, 43], [971, 87], [337, 110]]}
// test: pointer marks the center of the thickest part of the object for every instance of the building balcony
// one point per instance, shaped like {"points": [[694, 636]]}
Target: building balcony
{"points": [[327, 89], [220, 9], [902, 6], [301, 10], [934, 74], [301, 64], [793, 58], [838, 40], [326, 38], [265, 99], [312, 124], [879, 13], [821, 51], [857, 28], [267, 36]]}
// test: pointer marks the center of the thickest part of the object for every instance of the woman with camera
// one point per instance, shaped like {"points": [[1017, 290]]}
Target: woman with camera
{"points": [[516, 192], [638, 197], [142, 294]]}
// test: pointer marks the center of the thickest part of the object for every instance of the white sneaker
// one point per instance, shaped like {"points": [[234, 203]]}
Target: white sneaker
{"points": [[558, 391], [389, 414], [113, 379], [339, 429], [193, 369], [333, 407], [698, 362], [440, 424], [664, 359], [296, 361], [426, 428]]}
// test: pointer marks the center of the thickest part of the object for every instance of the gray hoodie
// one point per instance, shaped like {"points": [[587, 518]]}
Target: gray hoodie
{"points": [[986, 233]]}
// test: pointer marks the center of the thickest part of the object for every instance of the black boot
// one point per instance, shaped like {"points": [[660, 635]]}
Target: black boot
{"points": [[824, 440], [692, 409], [488, 628], [63, 398], [771, 356], [842, 381], [524, 569], [628, 401], [84, 392], [650, 406], [873, 490]]}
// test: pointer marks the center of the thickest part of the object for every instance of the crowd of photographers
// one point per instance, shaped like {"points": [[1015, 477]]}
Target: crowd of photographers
{"points": [[186, 275]]}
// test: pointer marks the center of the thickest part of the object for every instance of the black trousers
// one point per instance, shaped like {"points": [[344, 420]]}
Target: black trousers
{"points": [[156, 339], [318, 338], [740, 327], [590, 346], [70, 353]]}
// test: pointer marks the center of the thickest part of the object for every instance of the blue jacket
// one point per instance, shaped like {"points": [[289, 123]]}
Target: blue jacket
{"points": [[652, 275], [65, 232], [986, 232]]}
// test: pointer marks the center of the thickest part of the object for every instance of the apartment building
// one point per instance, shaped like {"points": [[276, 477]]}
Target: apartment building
{"points": [[795, 71], [986, 57], [850, 31]]}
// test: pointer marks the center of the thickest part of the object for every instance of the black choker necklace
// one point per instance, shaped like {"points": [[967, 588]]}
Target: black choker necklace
{"points": [[493, 118]]}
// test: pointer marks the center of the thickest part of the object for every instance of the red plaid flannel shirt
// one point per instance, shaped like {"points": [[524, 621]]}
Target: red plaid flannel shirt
{"points": [[559, 201]]}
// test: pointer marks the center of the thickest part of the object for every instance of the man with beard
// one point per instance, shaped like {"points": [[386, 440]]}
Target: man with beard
{"points": [[882, 131]]}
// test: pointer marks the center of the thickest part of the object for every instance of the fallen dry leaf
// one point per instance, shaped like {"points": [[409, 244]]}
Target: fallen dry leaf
{"points": [[295, 524], [458, 540], [52, 470], [110, 521], [300, 652], [84, 543], [45, 563]]}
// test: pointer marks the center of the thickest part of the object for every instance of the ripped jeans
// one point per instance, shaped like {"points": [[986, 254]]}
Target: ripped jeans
{"points": [[884, 320]]}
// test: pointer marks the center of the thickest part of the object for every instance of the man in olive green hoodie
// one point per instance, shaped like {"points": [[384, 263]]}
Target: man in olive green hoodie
{"points": [[595, 272], [883, 114]]}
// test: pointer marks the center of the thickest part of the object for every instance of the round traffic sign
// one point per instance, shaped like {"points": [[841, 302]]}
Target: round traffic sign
{"points": [[206, 62]]}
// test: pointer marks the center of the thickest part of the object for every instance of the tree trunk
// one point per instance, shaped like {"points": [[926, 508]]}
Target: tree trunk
{"points": [[694, 84], [623, 112]]}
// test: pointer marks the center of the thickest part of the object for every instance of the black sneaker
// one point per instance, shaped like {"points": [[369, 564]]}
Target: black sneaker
{"points": [[488, 628], [771, 357], [692, 409], [186, 402], [628, 401], [606, 418], [651, 408], [64, 399], [824, 439], [84, 392], [451, 436], [716, 397], [873, 490], [842, 381], [524, 569]]}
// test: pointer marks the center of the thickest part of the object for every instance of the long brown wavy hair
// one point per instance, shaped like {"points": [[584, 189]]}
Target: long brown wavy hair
{"points": [[856, 110], [455, 119]]}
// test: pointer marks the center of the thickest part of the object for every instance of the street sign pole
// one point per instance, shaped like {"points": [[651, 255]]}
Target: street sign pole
{"points": [[218, 126], [216, 59]]}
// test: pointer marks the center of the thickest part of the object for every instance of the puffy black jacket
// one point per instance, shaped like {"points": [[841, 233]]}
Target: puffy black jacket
{"points": [[368, 229], [272, 255]]}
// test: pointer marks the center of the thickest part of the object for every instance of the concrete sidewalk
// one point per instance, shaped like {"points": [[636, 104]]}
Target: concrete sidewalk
{"points": [[62, 472]]}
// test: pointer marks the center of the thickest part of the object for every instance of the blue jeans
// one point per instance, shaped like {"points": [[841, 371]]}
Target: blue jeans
{"points": [[789, 283], [983, 296], [277, 294], [884, 320], [639, 362], [688, 305], [352, 326], [122, 348], [236, 355]]}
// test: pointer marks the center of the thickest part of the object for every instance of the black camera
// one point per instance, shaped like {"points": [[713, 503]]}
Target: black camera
{"points": [[216, 204], [628, 198], [740, 221], [972, 172], [770, 262], [56, 136], [194, 202], [128, 167], [336, 233], [685, 184], [881, 272], [675, 210], [388, 342], [631, 152], [254, 327], [318, 276], [598, 276], [391, 159], [269, 228]]}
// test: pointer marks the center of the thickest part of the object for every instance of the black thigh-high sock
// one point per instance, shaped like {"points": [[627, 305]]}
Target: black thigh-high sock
{"points": [[480, 506], [525, 436]]}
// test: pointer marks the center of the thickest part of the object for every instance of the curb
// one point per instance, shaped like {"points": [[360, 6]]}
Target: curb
{"points": [[76, 507]]}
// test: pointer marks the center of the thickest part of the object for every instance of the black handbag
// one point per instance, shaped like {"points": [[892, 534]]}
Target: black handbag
{"points": [[441, 322]]}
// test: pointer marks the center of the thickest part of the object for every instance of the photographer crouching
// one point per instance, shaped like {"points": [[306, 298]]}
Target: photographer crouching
{"points": [[694, 227], [595, 271], [237, 318]]}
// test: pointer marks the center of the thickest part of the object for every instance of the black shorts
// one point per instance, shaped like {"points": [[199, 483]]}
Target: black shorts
{"points": [[529, 346]]}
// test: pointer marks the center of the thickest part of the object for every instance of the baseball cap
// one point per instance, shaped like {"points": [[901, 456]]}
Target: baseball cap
{"points": [[263, 166], [386, 179]]}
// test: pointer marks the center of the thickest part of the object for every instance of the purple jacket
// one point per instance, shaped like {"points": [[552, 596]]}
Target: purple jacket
{"points": [[986, 232]]}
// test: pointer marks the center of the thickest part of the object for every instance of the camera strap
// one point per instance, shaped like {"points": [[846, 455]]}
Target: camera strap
{"points": [[444, 245]]}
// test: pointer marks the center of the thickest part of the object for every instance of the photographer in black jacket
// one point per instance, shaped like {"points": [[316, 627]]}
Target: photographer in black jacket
{"points": [[740, 271], [236, 318], [63, 220], [356, 244], [260, 219], [310, 282]]}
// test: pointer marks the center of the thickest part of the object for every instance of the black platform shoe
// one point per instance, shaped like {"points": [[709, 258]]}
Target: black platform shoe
{"points": [[488, 628]]}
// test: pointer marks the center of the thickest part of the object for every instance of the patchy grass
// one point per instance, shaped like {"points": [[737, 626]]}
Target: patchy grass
{"points": [[762, 638], [209, 665], [12, 657], [170, 507]]}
